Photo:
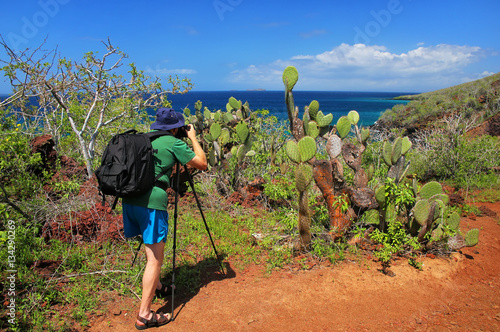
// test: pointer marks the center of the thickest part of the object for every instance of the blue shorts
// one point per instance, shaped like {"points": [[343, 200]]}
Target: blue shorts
{"points": [[150, 223]]}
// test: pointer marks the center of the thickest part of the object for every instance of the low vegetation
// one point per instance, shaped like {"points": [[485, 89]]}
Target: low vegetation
{"points": [[472, 103]]}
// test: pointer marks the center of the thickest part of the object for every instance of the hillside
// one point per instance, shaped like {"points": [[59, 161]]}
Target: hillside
{"points": [[475, 102]]}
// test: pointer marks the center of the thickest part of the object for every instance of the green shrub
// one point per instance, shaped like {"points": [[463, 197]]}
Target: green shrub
{"points": [[458, 160]]}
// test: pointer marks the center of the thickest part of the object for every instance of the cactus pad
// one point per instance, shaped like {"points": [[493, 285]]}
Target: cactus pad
{"points": [[234, 150], [225, 136], [387, 153], [304, 176], [307, 148], [353, 117], [442, 197], [290, 77], [198, 105], [208, 138], [472, 237], [292, 151], [430, 189], [240, 154], [365, 134], [313, 109], [187, 111], [207, 114], [438, 234], [242, 131], [312, 129], [234, 103], [406, 145], [215, 131], [396, 150], [306, 118], [324, 120], [227, 117], [421, 211], [334, 146], [211, 157], [453, 221], [343, 126], [380, 196], [217, 116], [439, 208]]}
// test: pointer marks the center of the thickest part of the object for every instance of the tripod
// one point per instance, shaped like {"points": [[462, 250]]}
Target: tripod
{"points": [[191, 184], [174, 247]]}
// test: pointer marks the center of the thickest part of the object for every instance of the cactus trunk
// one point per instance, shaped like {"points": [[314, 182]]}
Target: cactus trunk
{"points": [[323, 176], [304, 220]]}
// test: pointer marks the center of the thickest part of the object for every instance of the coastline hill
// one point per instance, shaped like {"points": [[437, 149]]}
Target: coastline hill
{"points": [[476, 102]]}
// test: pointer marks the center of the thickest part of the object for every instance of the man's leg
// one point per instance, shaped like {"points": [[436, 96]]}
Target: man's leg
{"points": [[151, 278]]}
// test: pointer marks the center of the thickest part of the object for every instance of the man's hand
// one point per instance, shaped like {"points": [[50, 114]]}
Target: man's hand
{"points": [[191, 132], [200, 160]]}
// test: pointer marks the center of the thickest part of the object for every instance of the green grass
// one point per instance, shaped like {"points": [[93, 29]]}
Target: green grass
{"points": [[466, 99], [99, 271], [487, 196]]}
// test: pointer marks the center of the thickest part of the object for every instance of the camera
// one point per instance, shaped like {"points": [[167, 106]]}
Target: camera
{"points": [[182, 131]]}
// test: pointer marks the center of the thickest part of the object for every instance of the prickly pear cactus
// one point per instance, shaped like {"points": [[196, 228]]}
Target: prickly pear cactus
{"points": [[215, 131], [453, 221], [472, 237], [430, 189], [304, 176], [292, 151], [393, 155], [343, 126], [334, 146], [307, 148], [405, 145], [234, 103], [396, 150], [421, 211], [380, 196], [313, 109], [290, 77], [353, 117]]}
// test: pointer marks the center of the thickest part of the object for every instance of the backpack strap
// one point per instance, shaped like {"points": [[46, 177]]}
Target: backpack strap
{"points": [[152, 136]]}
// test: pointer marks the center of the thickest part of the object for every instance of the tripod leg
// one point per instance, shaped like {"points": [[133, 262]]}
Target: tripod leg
{"points": [[174, 247], [137, 252], [190, 178]]}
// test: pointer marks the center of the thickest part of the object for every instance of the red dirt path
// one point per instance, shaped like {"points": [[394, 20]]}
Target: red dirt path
{"points": [[461, 293]]}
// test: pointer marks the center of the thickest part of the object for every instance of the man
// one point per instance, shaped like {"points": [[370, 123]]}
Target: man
{"points": [[147, 215]]}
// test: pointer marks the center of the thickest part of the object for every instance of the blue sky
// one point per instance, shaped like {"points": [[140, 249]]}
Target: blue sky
{"points": [[336, 45]]}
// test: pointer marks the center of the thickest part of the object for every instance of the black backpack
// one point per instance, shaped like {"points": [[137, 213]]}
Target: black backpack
{"points": [[127, 167]]}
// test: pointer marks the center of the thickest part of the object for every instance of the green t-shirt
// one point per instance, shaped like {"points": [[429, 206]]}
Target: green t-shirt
{"points": [[170, 149]]}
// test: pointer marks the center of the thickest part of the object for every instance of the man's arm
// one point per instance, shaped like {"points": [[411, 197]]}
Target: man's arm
{"points": [[200, 160]]}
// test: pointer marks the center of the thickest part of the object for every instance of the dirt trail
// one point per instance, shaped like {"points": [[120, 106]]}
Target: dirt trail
{"points": [[461, 293]]}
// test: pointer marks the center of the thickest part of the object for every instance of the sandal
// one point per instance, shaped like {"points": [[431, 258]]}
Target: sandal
{"points": [[153, 321], [163, 291]]}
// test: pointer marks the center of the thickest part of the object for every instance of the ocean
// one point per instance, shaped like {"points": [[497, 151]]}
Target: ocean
{"points": [[369, 105]]}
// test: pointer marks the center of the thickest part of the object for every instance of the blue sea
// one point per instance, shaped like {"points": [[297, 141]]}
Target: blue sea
{"points": [[369, 105]]}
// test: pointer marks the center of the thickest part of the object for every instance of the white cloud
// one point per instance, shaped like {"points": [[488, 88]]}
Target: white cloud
{"points": [[486, 73], [363, 67]]}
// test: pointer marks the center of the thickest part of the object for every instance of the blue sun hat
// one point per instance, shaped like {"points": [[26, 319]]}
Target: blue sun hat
{"points": [[167, 119]]}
